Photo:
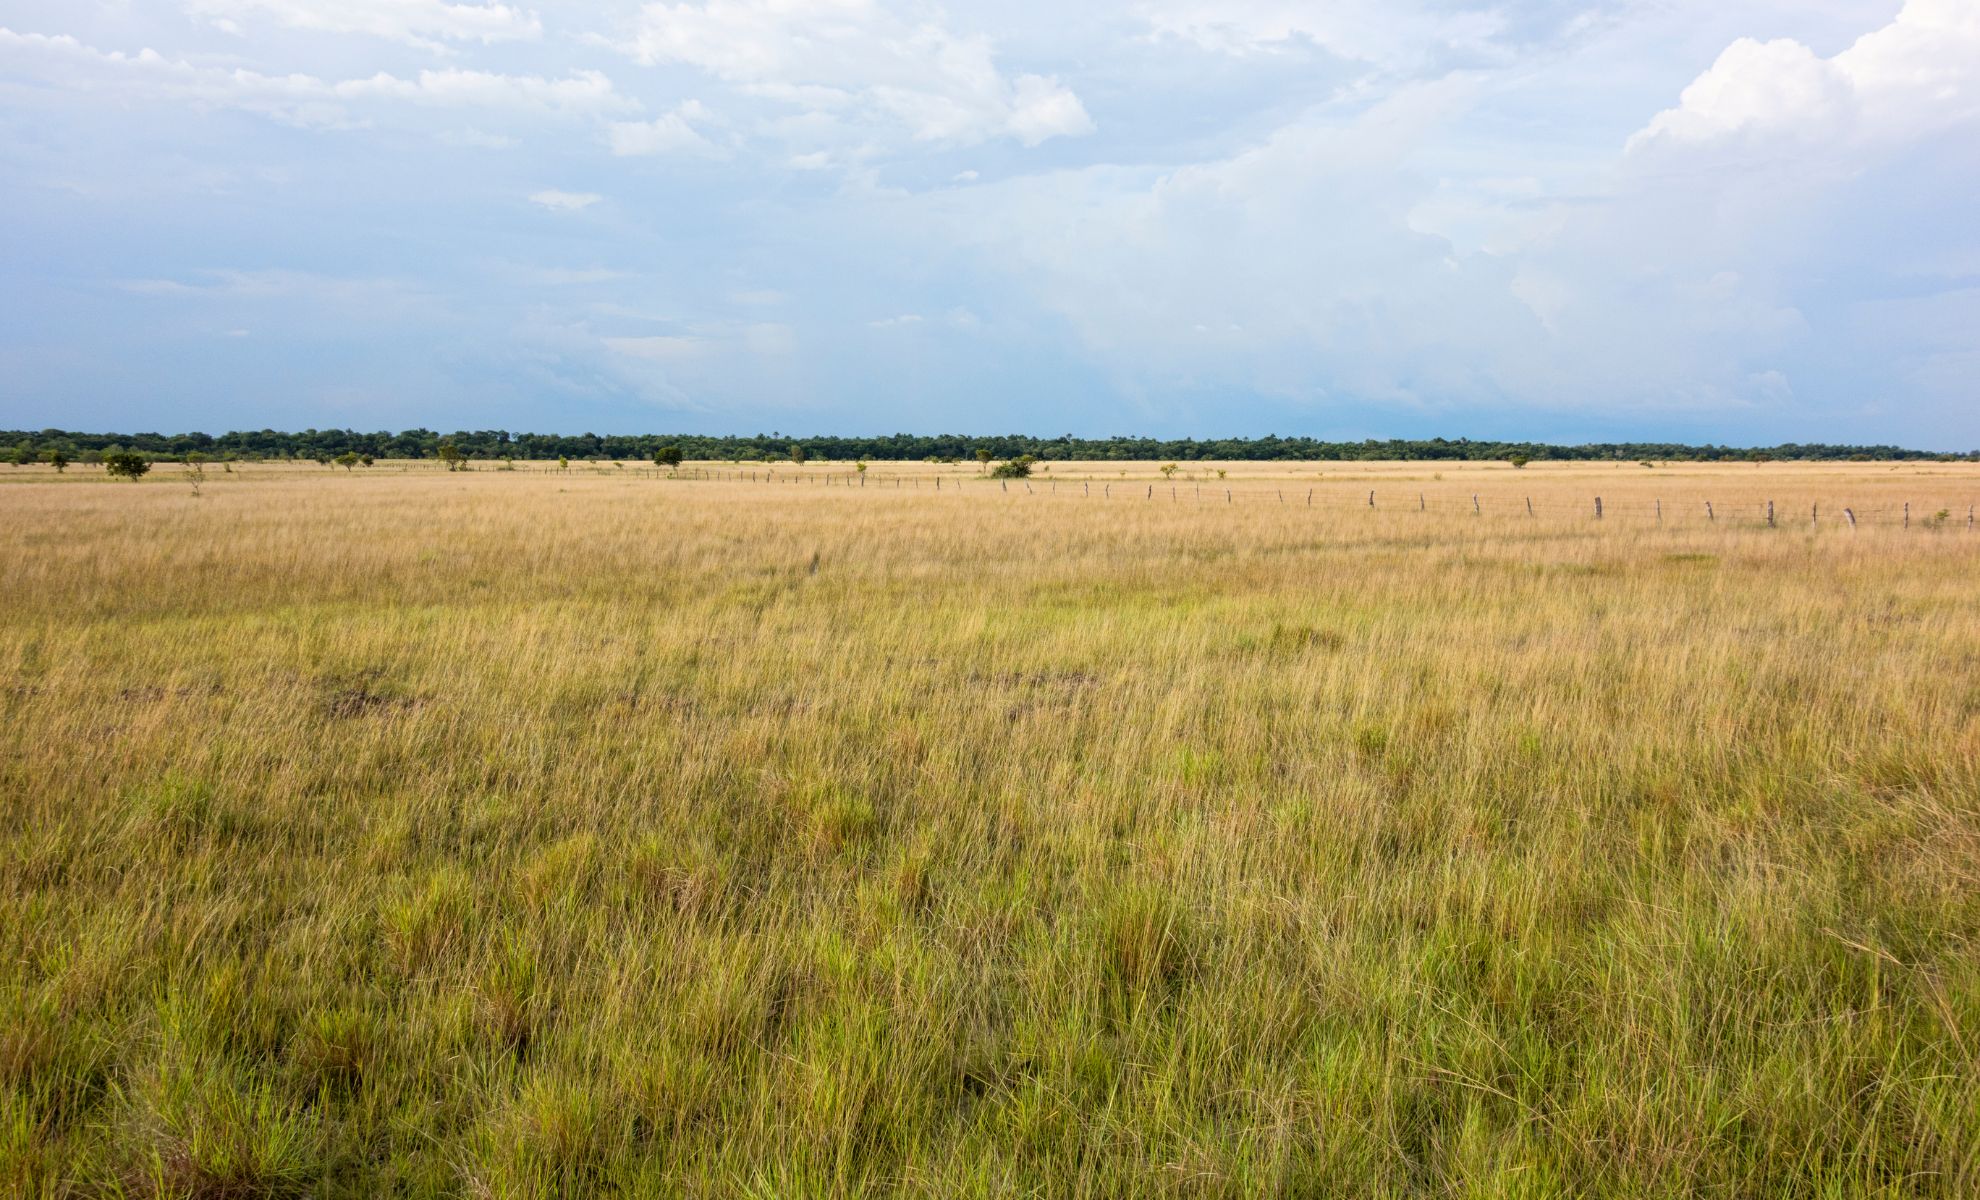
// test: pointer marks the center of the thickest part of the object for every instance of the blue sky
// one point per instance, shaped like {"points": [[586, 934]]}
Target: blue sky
{"points": [[1739, 220]]}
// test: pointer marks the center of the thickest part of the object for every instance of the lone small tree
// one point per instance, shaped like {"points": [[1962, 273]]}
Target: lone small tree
{"points": [[366, 459], [125, 465], [667, 456], [1519, 461], [860, 466], [1016, 468], [347, 460], [1168, 470], [982, 456], [450, 454], [58, 460], [798, 454]]}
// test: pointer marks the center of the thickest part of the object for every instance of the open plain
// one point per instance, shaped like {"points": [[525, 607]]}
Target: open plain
{"points": [[779, 831]]}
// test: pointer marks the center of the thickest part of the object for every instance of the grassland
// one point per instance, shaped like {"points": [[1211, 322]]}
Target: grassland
{"points": [[570, 833]]}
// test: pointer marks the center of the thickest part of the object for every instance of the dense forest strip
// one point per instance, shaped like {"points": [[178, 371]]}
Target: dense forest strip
{"points": [[325, 444]]}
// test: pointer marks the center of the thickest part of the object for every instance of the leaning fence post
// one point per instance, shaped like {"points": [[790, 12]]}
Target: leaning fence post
{"points": [[1598, 508], [1420, 506], [1907, 514], [1151, 491], [1660, 512], [1371, 499], [1709, 514], [1770, 514], [1849, 514], [1477, 511], [1309, 504], [1529, 506], [1814, 514], [1227, 495]]}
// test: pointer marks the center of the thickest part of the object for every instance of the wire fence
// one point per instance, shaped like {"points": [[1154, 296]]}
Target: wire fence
{"points": [[1634, 509]]}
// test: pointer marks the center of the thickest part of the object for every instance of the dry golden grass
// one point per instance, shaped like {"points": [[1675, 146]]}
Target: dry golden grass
{"points": [[580, 832]]}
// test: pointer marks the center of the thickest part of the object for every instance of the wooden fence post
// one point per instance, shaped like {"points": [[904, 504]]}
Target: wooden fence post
{"points": [[1849, 514], [1309, 504], [1529, 506], [1598, 508], [1476, 511], [1371, 499], [1660, 511], [1770, 514], [1907, 514], [1709, 514]]}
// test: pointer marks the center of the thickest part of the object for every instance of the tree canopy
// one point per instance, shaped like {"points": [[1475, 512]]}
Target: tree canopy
{"points": [[325, 445]]}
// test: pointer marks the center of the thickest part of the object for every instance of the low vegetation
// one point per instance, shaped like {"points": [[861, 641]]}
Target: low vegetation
{"points": [[589, 832]]}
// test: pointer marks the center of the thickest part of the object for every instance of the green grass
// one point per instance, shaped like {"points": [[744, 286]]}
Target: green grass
{"points": [[503, 836]]}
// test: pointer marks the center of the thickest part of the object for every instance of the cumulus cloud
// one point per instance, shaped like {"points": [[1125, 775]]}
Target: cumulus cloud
{"points": [[418, 22], [66, 62], [1919, 73], [862, 63]]}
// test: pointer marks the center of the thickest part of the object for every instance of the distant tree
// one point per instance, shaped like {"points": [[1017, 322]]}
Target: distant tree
{"points": [[126, 465], [58, 460], [1016, 468], [798, 454], [1518, 461], [860, 466], [365, 459], [22, 456], [1168, 470], [450, 454], [982, 456], [667, 456], [347, 460], [563, 463]]}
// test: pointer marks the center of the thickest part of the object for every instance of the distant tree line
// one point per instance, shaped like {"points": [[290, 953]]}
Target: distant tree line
{"points": [[332, 445]]}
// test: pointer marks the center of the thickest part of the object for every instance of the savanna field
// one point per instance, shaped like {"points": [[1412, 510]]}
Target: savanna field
{"points": [[594, 832]]}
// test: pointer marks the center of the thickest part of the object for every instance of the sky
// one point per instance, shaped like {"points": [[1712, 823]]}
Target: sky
{"points": [[1745, 221]]}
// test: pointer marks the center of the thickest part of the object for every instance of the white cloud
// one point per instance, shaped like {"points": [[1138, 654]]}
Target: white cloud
{"points": [[896, 322], [669, 133], [862, 64], [1918, 73], [414, 21], [558, 201], [299, 99]]}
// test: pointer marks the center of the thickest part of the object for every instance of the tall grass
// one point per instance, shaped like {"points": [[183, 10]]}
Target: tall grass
{"points": [[510, 834]]}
